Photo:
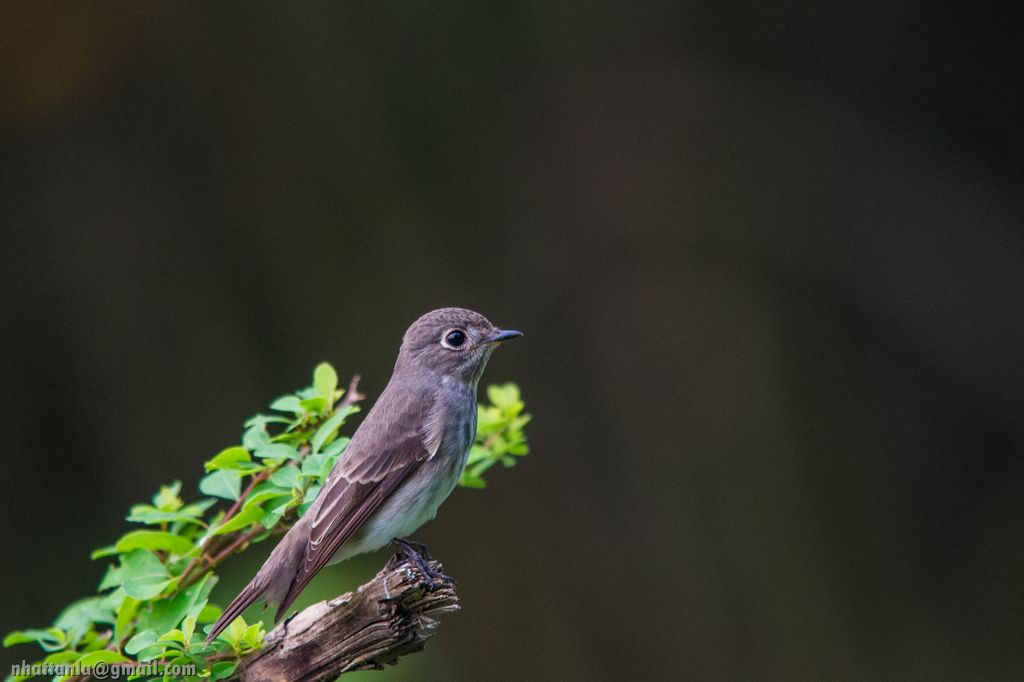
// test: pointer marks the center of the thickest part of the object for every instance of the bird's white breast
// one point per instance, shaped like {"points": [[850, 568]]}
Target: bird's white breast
{"points": [[416, 501]]}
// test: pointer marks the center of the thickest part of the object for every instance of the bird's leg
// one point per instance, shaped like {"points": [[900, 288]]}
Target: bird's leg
{"points": [[417, 553]]}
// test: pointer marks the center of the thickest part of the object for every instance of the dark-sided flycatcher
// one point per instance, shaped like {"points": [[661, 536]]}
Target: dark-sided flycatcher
{"points": [[403, 461]]}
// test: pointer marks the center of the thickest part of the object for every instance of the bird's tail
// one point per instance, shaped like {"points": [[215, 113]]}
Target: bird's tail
{"points": [[271, 582]]}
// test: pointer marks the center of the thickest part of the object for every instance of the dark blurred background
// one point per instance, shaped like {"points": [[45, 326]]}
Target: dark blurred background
{"points": [[769, 260]]}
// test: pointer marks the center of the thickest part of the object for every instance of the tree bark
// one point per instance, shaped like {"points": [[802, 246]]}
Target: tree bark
{"points": [[388, 617]]}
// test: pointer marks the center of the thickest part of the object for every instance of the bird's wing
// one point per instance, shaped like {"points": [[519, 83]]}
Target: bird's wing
{"points": [[361, 481]]}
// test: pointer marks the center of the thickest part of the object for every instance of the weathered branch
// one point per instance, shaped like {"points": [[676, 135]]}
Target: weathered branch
{"points": [[390, 616]]}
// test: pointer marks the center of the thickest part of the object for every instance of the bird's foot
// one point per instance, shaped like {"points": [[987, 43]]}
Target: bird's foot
{"points": [[417, 553]]}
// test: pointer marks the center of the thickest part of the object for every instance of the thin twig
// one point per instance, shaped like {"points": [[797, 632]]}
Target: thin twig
{"points": [[352, 394], [256, 480]]}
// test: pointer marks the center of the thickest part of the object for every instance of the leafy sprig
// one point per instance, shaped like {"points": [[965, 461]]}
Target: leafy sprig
{"points": [[153, 599], [499, 434]]}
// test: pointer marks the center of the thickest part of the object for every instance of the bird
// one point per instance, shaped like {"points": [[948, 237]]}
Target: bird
{"points": [[402, 462]]}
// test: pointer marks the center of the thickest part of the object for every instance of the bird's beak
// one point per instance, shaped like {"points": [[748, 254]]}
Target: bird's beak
{"points": [[502, 335]]}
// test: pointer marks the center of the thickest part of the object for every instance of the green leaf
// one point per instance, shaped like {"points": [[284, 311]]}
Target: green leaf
{"points": [[258, 420], [281, 451], [144, 576], [498, 446], [222, 670], [272, 517], [222, 483], [266, 494], [129, 608], [174, 635], [488, 421], [286, 477], [477, 453], [113, 601], [228, 459], [101, 657], [233, 633], [325, 381], [63, 657], [311, 465], [190, 513], [316, 404], [167, 498], [252, 638], [188, 627], [319, 466], [338, 445], [112, 578], [142, 640], [328, 429], [519, 422], [243, 637], [503, 395], [328, 465], [50, 639], [481, 466], [242, 519], [469, 480], [518, 449], [79, 617], [287, 403], [209, 613], [309, 498], [101, 552], [152, 540], [166, 614], [256, 436]]}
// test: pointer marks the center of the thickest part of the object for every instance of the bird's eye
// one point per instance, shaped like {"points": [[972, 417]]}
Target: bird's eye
{"points": [[454, 338]]}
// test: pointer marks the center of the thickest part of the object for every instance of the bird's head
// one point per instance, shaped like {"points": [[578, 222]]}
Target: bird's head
{"points": [[453, 343]]}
